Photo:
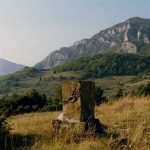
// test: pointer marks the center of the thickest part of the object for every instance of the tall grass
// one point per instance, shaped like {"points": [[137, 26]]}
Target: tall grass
{"points": [[127, 118], [130, 118]]}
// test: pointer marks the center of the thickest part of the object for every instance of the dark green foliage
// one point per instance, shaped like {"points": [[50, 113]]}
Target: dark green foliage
{"points": [[55, 102], [143, 90], [98, 66], [54, 105], [54, 72], [99, 96], [4, 133], [2, 124], [17, 104], [31, 102], [118, 94]]}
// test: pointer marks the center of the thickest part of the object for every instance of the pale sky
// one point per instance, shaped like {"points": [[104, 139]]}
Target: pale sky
{"points": [[31, 29]]}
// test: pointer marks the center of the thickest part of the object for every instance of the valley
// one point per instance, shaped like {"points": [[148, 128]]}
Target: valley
{"points": [[116, 61]]}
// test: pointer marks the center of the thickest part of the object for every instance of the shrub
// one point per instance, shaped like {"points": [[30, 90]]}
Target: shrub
{"points": [[142, 90], [118, 94], [99, 98], [17, 104]]}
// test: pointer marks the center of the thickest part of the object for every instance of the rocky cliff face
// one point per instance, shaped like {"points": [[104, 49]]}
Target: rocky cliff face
{"points": [[7, 67], [125, 37]]}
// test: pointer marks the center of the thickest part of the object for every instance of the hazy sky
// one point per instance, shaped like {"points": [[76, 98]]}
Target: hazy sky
{"points": [[31, 29]]}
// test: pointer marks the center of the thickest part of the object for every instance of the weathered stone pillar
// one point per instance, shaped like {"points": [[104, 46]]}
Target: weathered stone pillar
{"points": [[78, 100]]}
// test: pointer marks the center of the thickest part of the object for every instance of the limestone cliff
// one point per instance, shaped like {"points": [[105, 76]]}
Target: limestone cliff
{"points": [[125, 37]]}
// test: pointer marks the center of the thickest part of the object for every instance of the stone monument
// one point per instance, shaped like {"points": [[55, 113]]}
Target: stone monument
{"points": [[78, 99]]}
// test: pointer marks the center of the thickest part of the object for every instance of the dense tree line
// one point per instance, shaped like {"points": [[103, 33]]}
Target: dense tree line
{"points": [[30, 102], [101, 65]]}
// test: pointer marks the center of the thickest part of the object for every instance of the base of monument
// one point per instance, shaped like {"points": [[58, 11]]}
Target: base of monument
{"points": [[94, 126], [98, 127]]}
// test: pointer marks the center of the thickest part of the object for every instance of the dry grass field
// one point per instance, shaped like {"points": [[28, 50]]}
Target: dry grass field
{"points": [[128, 119]]}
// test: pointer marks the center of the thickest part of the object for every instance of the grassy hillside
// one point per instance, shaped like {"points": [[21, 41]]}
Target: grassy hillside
{"points": [[12, 82], [47, 82], [127, 118], [110, 71]]}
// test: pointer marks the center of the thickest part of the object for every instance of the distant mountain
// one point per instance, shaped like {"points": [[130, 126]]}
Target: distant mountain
{"points": [[130, 36], [7, 67]]}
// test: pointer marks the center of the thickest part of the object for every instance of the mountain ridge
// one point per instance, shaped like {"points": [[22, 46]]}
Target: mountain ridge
{"points": [[125, 37], [7, 67]]}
